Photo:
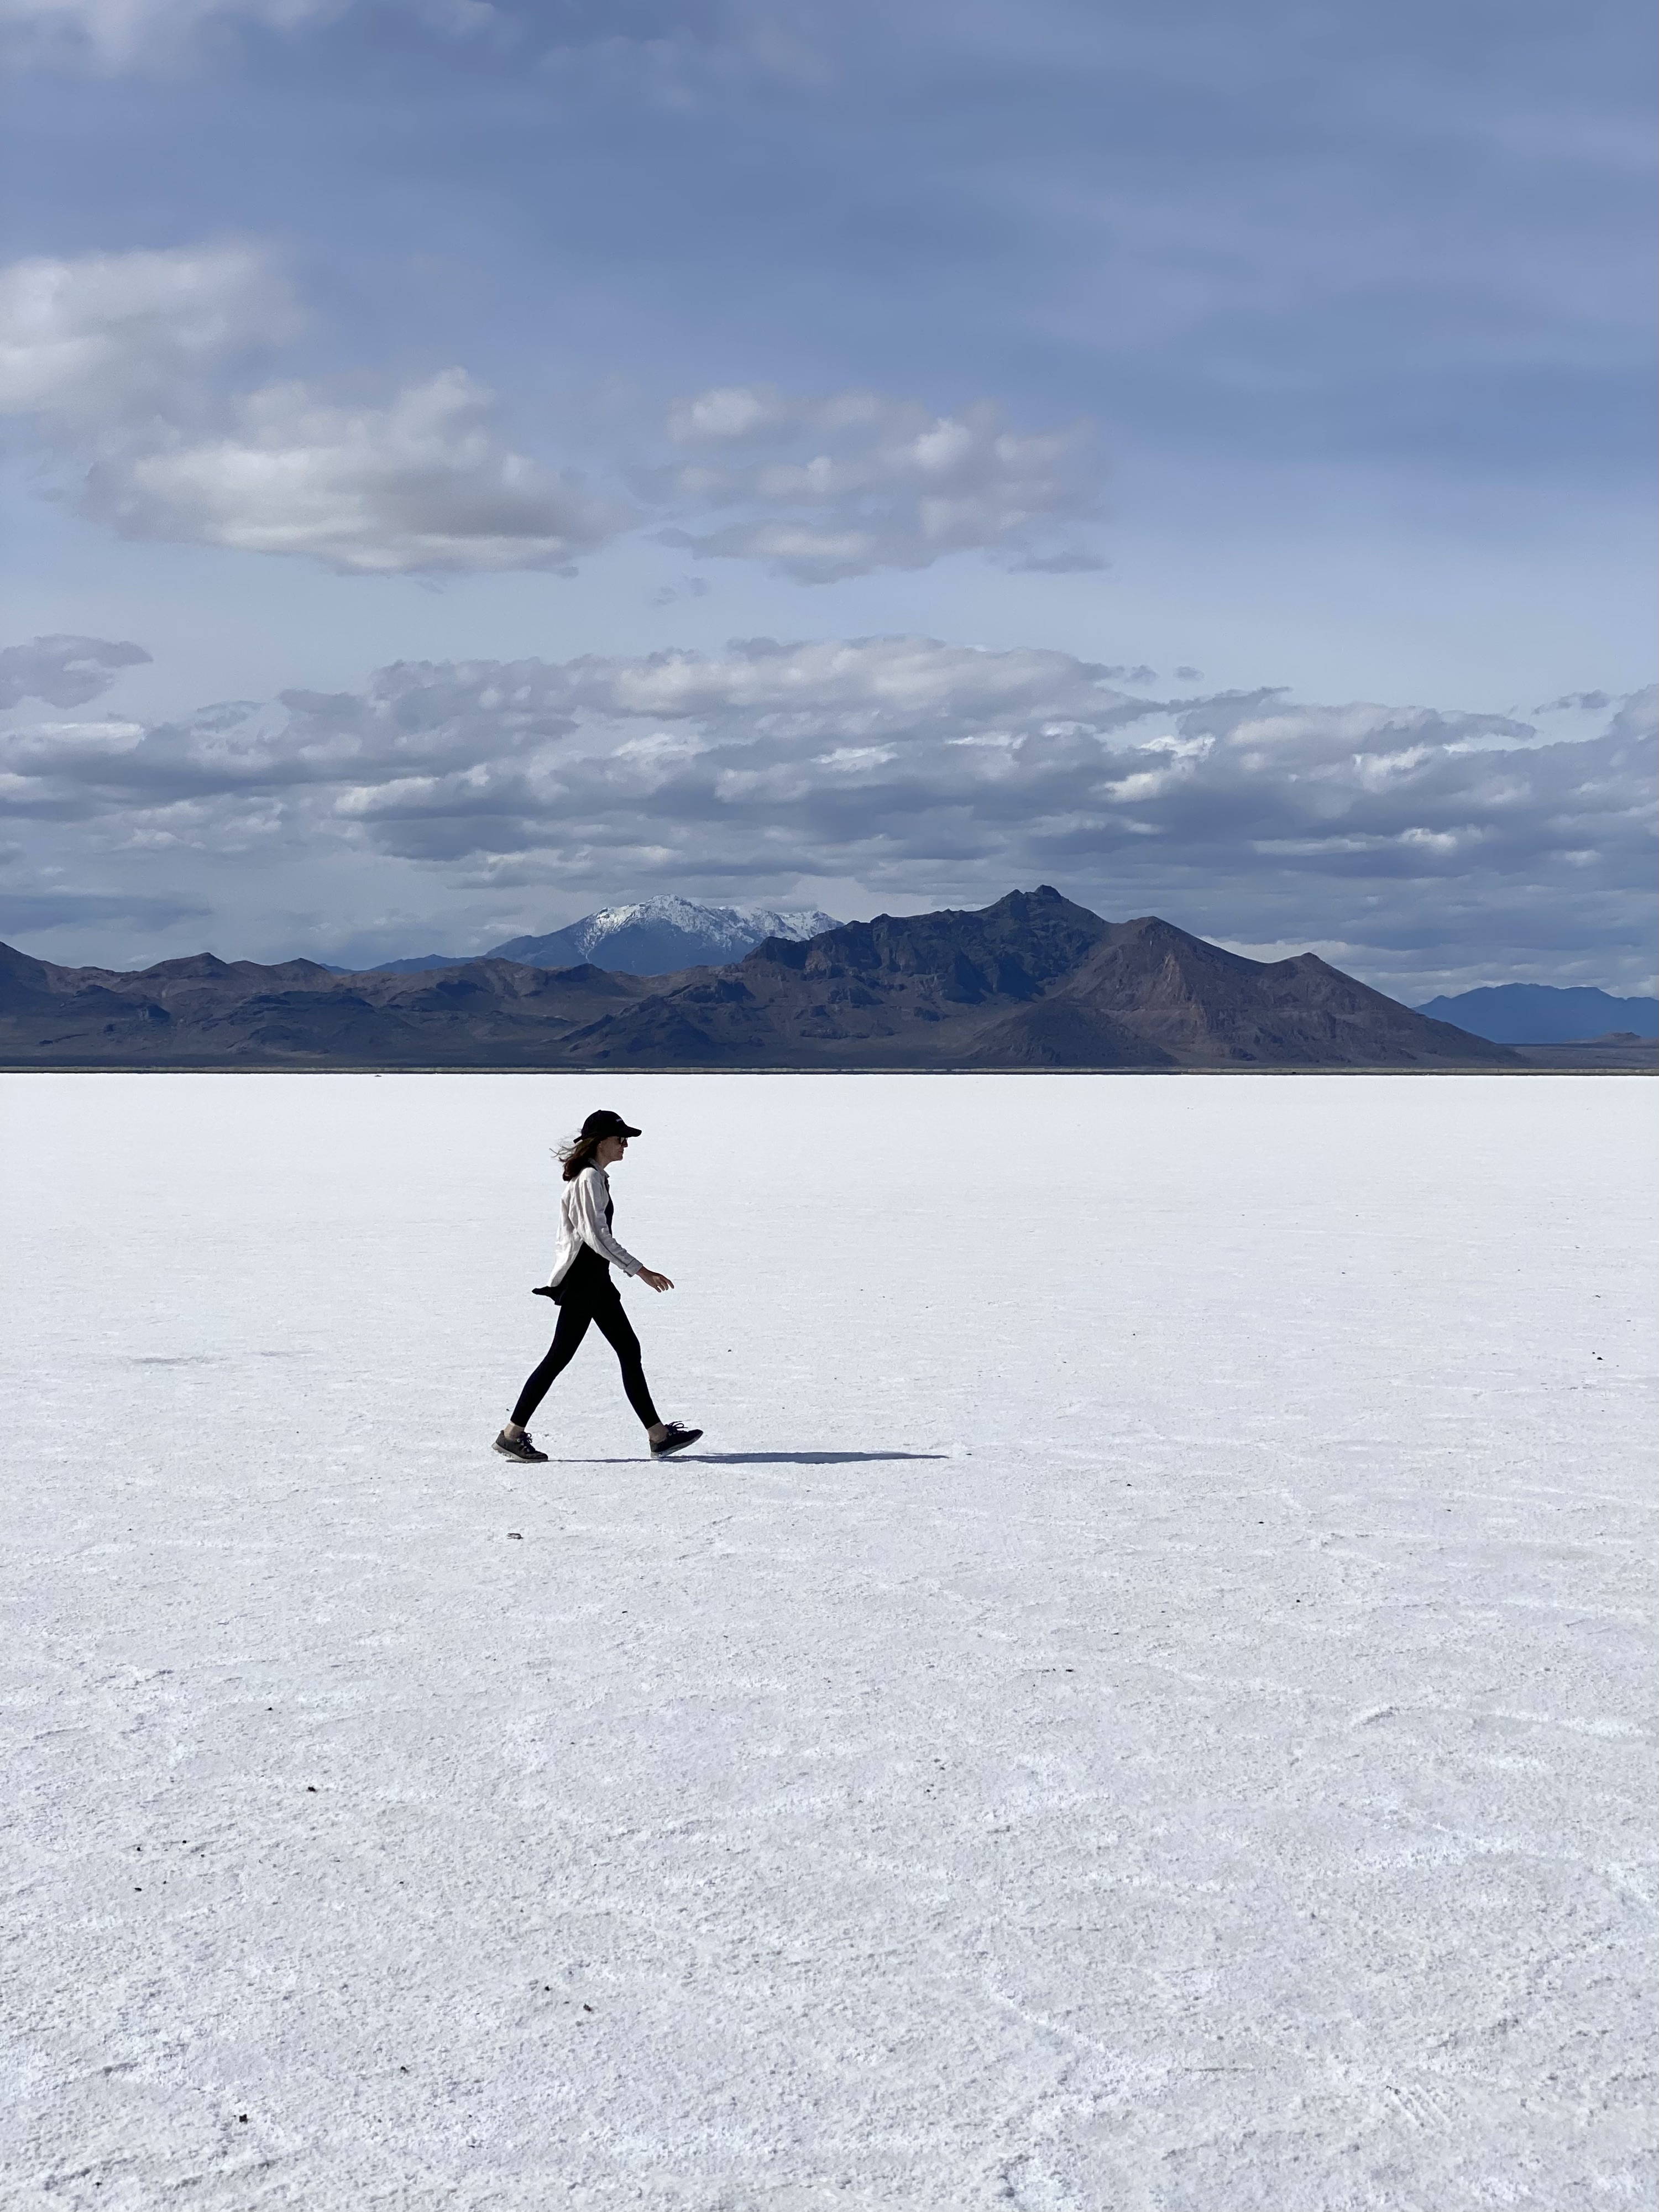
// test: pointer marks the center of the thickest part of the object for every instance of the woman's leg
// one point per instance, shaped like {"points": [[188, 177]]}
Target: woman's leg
{"points": [[619, 1332], [572, 1328]]}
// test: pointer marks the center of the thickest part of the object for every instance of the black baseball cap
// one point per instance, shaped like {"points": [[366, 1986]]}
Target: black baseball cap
{"points": [[605, 1124]]}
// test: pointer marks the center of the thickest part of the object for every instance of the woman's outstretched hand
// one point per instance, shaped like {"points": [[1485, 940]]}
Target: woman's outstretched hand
{"points": [[657, 1282]]}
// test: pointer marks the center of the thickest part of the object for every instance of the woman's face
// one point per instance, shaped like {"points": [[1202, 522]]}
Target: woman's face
{"points": [[610, 1149]]}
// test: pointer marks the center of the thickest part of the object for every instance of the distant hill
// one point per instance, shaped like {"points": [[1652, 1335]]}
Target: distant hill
{"points": [[205, 1012], [654, 937], [419, 964], [1544, 1013], [1033, 981]]}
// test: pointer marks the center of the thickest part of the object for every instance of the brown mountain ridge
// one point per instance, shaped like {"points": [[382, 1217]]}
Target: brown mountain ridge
{"points": [[1032, 981]]}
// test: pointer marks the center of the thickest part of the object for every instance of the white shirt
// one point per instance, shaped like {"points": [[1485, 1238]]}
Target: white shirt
{"points": [[582, 1221]]}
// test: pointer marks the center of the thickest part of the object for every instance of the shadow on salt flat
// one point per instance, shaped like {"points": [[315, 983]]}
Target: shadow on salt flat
{"points": [[761, 1458], [802, 1459]]}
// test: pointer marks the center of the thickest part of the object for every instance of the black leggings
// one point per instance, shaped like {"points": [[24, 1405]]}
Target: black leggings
{"points": [[599, 1302]]}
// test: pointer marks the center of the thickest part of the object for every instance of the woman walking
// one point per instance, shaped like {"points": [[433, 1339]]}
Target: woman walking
{"points": [[581, 1288]]}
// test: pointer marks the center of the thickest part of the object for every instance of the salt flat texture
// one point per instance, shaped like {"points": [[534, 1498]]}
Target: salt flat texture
{"points": [[1142, 1700]]}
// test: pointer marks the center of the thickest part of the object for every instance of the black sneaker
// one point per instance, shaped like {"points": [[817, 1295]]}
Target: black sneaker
{"points": [[677, 1440], [517, 1447]]}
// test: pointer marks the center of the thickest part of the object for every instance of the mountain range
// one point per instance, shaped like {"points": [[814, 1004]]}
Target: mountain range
{"points": [[1032, 981], [654, 937], [1545, 1013]]}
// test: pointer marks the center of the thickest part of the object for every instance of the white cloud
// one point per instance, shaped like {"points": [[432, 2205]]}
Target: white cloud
{"points": [[124, 360], [424, 483], [838, 485], [1435, 846], [64, 671], [136, 367], [115, 35], [832, 689], [673, 52], [926, 771], [110, 337]]}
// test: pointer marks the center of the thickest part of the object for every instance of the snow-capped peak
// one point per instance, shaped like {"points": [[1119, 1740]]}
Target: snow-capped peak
{"points": [[655, 936], [734, 929]]}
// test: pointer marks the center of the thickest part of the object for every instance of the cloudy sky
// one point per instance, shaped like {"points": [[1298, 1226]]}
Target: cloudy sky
{"points": [[470, 463]]}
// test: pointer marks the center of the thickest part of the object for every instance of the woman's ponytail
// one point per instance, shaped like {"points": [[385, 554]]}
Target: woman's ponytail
{"points": [[578, 1154]]}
